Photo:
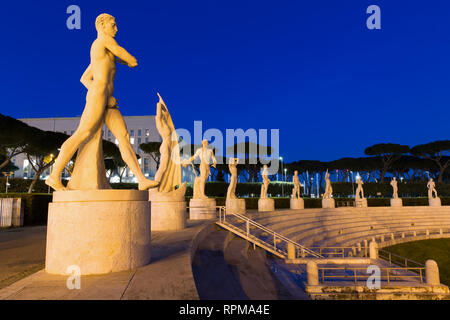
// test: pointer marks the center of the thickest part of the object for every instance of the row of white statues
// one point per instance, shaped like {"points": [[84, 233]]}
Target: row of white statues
{"points": [[361, 201]]}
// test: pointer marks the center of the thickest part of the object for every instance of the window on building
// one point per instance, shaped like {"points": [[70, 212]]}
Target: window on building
{"points": [[132, 133], [139, 140], [146, 140], [147, 132], [109, 133], [139, 132], [132, 140]]}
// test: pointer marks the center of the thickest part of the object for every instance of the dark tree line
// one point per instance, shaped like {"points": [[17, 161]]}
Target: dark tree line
{"points": [[419, 163], [40, 147]]}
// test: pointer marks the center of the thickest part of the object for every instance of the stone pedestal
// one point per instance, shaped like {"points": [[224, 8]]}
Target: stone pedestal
{"points": [[266, 205], [98, 231], [361, 203], [200, 209], [235, 206], [328, 203], [168, 210], [297, 203], [396, 202], [434, 202]]}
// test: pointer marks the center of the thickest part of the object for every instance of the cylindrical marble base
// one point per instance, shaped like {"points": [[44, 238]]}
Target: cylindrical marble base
{"points": [[361, 203], [328, 203], [396, 202], [168, 215], [297, 203], [98, 231], [200, 209], [266, 205], [235, 206], [434, 202]]}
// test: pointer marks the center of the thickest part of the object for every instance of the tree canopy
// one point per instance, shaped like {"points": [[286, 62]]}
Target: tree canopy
{"points": [[388, 152], [437, 151]]}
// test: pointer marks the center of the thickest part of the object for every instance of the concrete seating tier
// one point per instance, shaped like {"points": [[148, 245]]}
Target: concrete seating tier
{"points": [[347, 226]]}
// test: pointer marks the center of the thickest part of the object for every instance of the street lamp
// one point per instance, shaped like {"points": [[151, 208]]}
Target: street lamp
{"points": [[317, 184], [282, 186], [281, 159], [353, 187], [7, 175], [285, 169]]}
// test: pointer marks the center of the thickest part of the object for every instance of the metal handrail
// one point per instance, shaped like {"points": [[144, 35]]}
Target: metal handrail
{"points": [[389, 255], [348, 203], [394, 235], [338, 251], [430, 231], [388, 275], [276, 236]]}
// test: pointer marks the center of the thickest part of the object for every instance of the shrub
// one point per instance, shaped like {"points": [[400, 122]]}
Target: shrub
{"points": [[21, 185]]}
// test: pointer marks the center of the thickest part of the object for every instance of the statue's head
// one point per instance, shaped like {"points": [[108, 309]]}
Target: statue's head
{"points": [[106, 24], [205, 143], [296, 172]]}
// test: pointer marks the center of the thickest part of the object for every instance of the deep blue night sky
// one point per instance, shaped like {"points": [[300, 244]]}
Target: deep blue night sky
{"points": [[310, 68]]}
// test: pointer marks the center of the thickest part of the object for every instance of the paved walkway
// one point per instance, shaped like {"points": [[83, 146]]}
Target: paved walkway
{"points": [[171, 259], [22, 252]]}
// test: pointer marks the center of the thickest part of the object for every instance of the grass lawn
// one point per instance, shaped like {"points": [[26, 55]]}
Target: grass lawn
{"points": [[421, 251]]}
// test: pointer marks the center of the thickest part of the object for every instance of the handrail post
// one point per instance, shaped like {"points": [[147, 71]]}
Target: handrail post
{"points": [[354, 273], [373, 250], [274, 242], [291, 251], [247, 226], [365, 247], [312, 273], [387, 271], [432, 273]]}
